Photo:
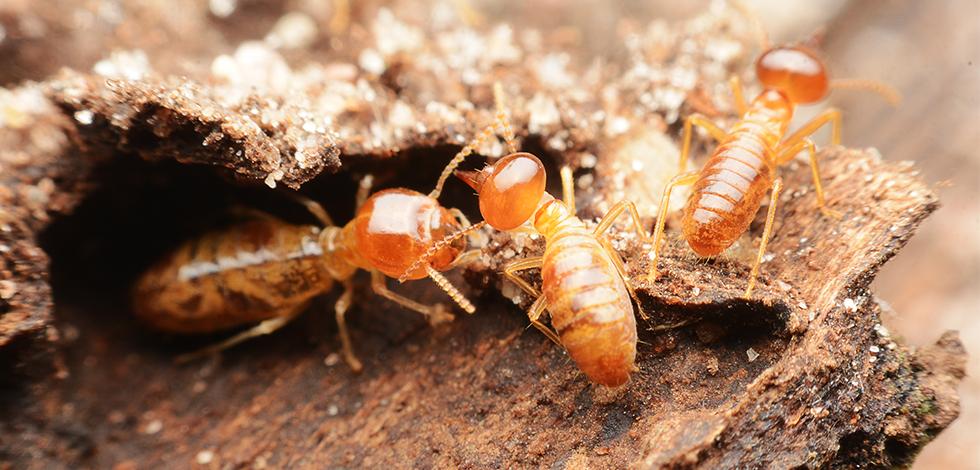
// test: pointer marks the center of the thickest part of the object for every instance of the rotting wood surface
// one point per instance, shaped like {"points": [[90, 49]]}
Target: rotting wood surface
{"points": [[804, 374]]}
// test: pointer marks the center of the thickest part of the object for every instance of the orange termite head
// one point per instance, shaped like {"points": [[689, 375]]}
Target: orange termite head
{"points": [[794, 71], [509, 190], [395, 227]]}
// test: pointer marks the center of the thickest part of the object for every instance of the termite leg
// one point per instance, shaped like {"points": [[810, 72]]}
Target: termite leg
{"points": [[250, 213], [460, 216], [263, 328], [736, 84], [831, 116], [434, 313], [670, 326], [340, 308], [777, 186], [789, 153], [604, 226], [363, 191], [533, 313], [621, 268], [465, 258], [679, 180], [614, 213], [700, 120], [520, 265], [314, 208], [568, 188], [480, 238], [539, 306]]}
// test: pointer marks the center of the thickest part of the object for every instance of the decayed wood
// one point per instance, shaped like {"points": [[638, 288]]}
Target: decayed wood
{"points": [[802, 374], [837, 390], [829, 385], [33, 142], [178, 119]]}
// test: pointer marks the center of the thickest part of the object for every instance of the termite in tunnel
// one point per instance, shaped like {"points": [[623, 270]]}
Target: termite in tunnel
{"points": [[264, 270]]}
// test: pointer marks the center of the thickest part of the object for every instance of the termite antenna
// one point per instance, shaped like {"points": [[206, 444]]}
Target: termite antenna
{"points": [[446, 241], [757, 29], [340, 20], [469, 16], [450, 289], [888, 92], [465, 152], [363, 190], [500, 103], [501, 122], [816, 39]]}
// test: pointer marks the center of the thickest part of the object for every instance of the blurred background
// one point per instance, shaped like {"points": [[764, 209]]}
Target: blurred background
{"points": [[930, 51]]}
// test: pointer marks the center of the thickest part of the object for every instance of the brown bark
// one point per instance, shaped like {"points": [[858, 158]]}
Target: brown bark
{"points": [[803, 374]]}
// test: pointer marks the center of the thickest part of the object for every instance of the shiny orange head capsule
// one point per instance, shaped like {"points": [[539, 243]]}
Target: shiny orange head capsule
{"points": [[509, 190], [794, 71], [395, 227]]}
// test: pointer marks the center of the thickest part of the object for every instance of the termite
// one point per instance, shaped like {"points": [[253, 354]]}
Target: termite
{"points": [[584, 280], [728, 191], [266, 270]]}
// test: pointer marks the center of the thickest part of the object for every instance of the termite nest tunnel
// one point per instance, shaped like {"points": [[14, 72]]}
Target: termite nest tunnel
{"points": [[139, 210]]}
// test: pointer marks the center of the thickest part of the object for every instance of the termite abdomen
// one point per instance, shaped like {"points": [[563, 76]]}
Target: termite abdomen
{"points": [[727, 194], [249, 272], [590, 307]]}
